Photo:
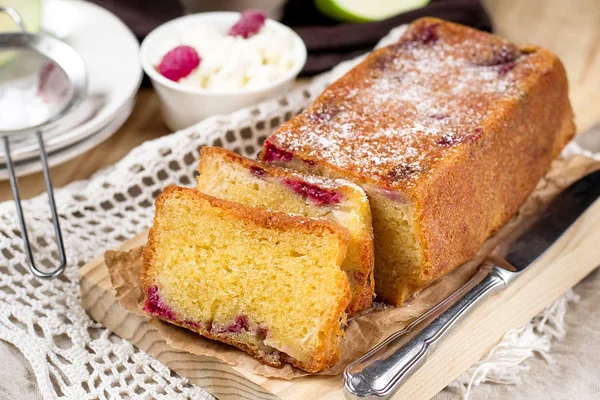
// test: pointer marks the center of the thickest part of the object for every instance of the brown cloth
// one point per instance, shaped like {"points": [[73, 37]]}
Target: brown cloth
{"points": [[328, 41], [142, 16]]}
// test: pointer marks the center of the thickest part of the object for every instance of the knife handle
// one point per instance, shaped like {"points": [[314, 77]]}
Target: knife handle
{"points": [[380, 372]]}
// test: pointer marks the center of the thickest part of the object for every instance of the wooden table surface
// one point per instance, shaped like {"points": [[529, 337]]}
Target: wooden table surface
{"points": [[569, 28]]}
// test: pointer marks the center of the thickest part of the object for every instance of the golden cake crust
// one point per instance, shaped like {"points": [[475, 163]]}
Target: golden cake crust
{"points": [[380, 122], [363, 295], [328, 354], [437, 120], [318, 364]]}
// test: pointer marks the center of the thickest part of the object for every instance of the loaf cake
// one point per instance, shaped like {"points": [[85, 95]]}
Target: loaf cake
{"points": [[448, 131], [266, 282], [227, 175]]}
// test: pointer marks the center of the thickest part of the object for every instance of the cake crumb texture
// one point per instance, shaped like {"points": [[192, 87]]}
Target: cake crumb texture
{"points": [[266, 282]]}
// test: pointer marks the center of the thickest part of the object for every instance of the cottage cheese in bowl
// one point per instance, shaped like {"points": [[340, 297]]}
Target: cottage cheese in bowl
{"points": [[215, 63], [233, 62]]}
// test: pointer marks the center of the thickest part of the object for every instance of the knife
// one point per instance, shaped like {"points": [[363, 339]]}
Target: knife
{"points": [[380, 372]]}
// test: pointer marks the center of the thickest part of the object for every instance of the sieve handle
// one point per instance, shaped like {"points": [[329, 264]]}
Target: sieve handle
{"points": [[15, 17], [15, 189]]}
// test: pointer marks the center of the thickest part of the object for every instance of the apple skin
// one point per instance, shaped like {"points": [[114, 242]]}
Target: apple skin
{"points": [[333, 9]]}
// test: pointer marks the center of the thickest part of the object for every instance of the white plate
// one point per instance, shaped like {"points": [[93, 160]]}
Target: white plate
{"points": [[56, 157], [110, 51]]}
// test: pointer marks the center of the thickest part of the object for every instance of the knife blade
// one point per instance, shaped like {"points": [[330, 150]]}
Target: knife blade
{"points": [[380, 372], [554, 221]]}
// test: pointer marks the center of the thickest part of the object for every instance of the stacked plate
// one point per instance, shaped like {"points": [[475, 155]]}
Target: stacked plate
{"points": [[110, 51]]}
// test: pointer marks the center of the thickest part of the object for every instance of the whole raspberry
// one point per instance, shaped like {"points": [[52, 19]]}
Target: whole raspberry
{"points": [[179, 63], [249, 24]]}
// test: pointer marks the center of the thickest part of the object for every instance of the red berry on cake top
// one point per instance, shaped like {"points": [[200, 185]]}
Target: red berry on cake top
{"points": [[274, 153]]}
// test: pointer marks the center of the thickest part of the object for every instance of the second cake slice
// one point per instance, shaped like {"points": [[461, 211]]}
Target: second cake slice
{"points": [[227, 175]]}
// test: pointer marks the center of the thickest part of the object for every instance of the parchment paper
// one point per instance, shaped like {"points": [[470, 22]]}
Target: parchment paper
{"points": [[368, 328]]}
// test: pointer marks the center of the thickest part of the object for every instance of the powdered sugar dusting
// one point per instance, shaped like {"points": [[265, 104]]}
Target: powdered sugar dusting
{"points": [[408, 106]]}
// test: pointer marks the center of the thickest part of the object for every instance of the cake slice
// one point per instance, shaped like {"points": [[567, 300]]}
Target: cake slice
{"points": [[448, 131], [227, 175], [266, 282]]}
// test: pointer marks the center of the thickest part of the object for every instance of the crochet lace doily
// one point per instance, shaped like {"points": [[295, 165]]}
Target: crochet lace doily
{"points": [[71, 355]]}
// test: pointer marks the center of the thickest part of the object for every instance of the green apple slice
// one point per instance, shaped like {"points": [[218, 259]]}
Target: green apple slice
{"points": [[31, 14], [366, 10]]}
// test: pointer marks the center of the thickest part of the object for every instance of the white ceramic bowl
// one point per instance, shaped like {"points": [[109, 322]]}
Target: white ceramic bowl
{"points": [[183, 106]]}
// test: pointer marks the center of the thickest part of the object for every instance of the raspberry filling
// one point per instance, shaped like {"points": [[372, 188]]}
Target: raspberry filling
{"points": [[257, 171], [314, 193], [240, 324], [274, 153], [193, 324], [325, 113], [249, 24], [403, 171], [506, 68], [505, 55], [421, 35], [446, 140], [504, 59], [179, 63], [154, 305], [428, 34]]}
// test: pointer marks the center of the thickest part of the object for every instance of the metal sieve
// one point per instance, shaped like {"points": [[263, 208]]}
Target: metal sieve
{"points": [[66, 58]]}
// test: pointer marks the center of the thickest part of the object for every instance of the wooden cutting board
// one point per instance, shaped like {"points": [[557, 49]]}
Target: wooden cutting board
{"points": [[574, 256]]}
